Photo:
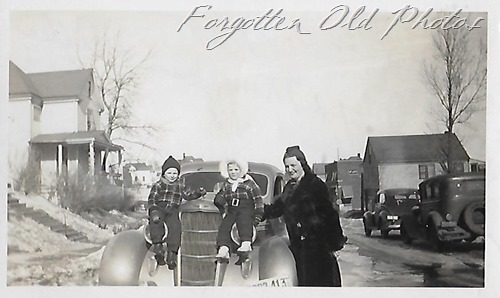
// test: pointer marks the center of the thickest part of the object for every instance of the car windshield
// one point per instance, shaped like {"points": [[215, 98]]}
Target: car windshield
{"points": [[408, 196], [211, 181]]}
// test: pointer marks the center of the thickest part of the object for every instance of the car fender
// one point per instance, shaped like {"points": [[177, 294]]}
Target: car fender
{"points": [[411, 226], [369, 219], [382, 219], [122, 259], [435, 218], [276, 260]]}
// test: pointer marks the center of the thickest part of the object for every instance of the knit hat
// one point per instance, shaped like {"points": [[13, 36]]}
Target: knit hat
{"points": [[170, 162], [295, 151]]}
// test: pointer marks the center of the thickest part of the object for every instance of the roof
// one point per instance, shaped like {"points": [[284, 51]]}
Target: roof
{"points": [[414, 148], [54, 85], [74, 138], [62, 84], [140, 166], [19, 82]]}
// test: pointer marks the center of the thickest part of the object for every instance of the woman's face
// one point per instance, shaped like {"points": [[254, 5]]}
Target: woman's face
{"points": [[293, 167], [234, 171], [171, 174]]}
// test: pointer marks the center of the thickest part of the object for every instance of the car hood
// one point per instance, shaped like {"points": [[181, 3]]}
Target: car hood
{"points": [[401, 208], [203, 204]]}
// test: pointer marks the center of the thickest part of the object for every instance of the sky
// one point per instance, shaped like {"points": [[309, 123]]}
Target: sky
{"points": [[260, 91]]}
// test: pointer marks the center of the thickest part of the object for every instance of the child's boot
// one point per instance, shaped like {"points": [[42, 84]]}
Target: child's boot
{"points": [[159, 254], [223, 252], [171, 260], [246, 246]]}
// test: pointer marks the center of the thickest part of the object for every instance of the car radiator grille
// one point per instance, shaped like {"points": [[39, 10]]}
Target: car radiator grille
{"points": [[198, 248]]}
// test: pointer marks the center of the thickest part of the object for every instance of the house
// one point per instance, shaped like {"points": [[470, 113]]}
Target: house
{"points": [[188, 159], [405, 161], [54, 125], [139, 174], [477, 165], [319, 170], [344, 178]]}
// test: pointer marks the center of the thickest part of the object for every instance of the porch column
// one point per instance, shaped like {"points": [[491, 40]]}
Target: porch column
{"points": [[91, 158], [120, 157], [104, 167], [59, 159]]}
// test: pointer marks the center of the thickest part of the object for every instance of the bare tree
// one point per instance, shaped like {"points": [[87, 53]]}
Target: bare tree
{"points": [[457, 78], [117, 73]]}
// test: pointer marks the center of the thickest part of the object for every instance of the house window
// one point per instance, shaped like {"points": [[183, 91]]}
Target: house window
{"points": [[423, 172], [90, 120], [426, 171]]}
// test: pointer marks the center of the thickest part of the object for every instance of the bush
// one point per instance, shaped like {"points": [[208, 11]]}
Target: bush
{"points": [[27, 179], [83, 193]]}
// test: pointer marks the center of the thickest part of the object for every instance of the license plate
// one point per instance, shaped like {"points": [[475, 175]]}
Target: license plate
{"points": [[274, 282]]}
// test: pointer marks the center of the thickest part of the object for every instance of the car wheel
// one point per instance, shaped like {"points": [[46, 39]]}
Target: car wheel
{"points": [[368, 231], [404, 235], [433, 238], [474, 218]]}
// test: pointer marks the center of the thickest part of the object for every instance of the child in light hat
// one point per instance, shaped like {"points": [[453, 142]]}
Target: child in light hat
{"points": [[163, 207], [242, 198]]}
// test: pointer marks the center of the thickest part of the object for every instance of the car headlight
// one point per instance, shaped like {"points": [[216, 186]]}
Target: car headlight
{"points": [[392, 217], [449, 217]]}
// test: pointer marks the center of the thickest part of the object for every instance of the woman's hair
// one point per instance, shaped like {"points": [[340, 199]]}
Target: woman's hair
{"points": [[294, 151], [243, 165]]}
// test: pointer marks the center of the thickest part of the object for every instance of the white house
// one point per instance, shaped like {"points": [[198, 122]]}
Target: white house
{"points": [[141, 174], [54, 125]]}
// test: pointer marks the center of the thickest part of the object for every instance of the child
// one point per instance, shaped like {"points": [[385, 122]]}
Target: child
{"points": [[163, 207], [244, 204]]}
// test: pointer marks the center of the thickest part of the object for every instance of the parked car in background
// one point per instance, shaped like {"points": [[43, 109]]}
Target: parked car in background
{"points": [[451, 208], [385, 212], [126, 257]]}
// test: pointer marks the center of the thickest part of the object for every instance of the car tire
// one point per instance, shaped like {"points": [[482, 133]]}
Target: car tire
{"points": [[432, 237], [474, 218], [405, 237], [368, 231]]}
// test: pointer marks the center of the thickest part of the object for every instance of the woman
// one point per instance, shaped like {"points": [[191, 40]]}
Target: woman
{"points": [[313, 224]]}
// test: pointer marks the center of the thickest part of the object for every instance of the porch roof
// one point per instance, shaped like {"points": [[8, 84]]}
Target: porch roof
{"points": [[77, 138]]}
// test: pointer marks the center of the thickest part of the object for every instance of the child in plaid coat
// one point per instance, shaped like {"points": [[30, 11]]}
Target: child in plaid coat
{"points": [[242, 198], [163, 208]]}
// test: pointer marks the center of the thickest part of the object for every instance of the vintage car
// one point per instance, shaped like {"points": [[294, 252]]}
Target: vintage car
{"points": [[385, 212], [127, 256], [451, 208]]}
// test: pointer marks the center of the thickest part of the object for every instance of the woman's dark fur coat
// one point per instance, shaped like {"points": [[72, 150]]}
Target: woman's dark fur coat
{"points": [[314, 230]]}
